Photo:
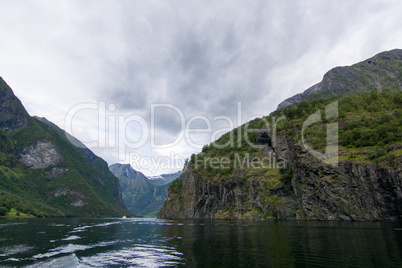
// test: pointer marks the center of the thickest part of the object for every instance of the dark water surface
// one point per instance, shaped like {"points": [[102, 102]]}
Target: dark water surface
{"points": [[159, 243]]}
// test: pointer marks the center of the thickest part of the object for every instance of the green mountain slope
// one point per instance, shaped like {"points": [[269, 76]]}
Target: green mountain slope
{"points": [[43, 174], [273, 171], [140, 195]]}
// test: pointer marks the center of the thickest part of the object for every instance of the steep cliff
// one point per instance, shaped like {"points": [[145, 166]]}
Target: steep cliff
{"points": [[43, 174], [300, 186], [320, 159], [352, 191]]}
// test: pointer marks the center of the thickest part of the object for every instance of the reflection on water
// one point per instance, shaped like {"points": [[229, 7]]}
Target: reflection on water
{"points": [[289, 244], [158, 243]]}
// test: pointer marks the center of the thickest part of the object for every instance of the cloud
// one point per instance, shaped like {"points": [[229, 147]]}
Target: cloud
{"points": [[200, 56]]}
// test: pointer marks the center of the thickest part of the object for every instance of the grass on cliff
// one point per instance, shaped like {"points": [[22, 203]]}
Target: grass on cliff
{"points": [[369, 128]]}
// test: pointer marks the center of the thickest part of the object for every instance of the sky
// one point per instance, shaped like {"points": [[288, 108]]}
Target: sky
{"points": [[150, 82]]}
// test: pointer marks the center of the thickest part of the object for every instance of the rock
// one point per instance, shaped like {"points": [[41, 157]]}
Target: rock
{"points": [[41, 154], [76, 197], [54, 172]]}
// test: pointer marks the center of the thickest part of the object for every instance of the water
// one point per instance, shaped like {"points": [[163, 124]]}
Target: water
{"points": [[159, 243]]}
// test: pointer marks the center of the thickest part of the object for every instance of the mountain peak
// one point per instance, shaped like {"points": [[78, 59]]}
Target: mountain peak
{"points": [[381, 72], [127, 171], [13, 115]]}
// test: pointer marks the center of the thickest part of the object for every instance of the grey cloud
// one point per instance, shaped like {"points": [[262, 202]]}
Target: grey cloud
{"points": [[202, 56], [213, 64]]}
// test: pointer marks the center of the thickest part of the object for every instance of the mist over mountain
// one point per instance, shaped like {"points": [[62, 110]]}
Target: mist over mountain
{"points": [[164, 178]]}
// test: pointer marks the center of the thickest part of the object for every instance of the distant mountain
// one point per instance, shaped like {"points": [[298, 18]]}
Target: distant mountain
{"points": [[381, 72], [142, 196], [164, 178], [43, 174]]}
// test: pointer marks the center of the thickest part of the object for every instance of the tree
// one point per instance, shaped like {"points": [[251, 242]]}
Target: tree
{"points": [[3, 211]]}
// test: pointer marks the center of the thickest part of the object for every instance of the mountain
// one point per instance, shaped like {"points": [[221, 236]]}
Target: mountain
{"points": [[141, 195], [316, 158], [381, 72], [164, 178], [44, 175]]}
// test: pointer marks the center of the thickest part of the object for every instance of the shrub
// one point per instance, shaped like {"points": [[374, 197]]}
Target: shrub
{"points": [[205, 148], [386, 118], [378, 152], [286, 174], [398, 113], [176, 186]]}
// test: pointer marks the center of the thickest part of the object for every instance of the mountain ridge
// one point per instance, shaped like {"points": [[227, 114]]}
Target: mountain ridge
{"points": [[360, 77]]}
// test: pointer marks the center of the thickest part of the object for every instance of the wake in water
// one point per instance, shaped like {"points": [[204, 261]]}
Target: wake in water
{"points": [[100, 243], [138, 256]]}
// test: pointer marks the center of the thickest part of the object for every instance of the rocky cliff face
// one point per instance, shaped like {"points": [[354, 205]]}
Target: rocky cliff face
{"points": [[377, 73], [315, 191], [41, 154], [348, 191]]}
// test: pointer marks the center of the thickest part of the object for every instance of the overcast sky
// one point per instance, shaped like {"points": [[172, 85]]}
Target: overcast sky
{"points": [[104, 63]]}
